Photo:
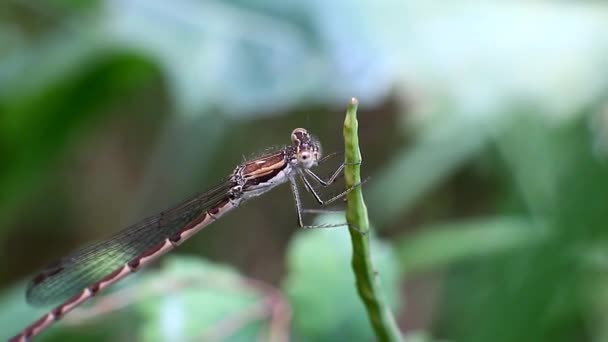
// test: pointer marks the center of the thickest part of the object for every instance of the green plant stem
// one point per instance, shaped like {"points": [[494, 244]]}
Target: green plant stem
{"points": [[367, 279]]}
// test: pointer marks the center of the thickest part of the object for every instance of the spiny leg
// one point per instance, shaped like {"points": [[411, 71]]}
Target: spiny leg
{"points": [[326, 183], [318, 198], [300, 210], [322, 211], [328, 157], [332, 178], [333, 154], [296, 198]]}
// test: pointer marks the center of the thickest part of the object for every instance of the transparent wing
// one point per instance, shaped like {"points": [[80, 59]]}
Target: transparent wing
{"points": [[73, 273]]}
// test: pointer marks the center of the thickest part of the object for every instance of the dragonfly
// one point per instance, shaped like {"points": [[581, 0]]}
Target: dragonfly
{"points": [[81, 275]]}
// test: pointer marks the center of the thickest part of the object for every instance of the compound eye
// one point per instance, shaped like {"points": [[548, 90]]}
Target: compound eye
{"points": [[299, 135], [306, 159]]}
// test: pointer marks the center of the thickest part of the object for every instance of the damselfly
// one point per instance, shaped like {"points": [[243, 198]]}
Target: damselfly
{"points": [[81, 275]]}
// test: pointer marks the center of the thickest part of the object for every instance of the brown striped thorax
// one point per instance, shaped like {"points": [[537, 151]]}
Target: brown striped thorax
{"points": [[258, 176]]}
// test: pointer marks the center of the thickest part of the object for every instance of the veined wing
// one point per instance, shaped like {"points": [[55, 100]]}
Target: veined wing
{"points": [[90, 265]]}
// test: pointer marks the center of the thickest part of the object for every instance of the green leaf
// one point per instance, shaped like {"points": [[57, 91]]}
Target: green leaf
{"points": [[439, 151], [444, 244], [320, 284], [187, 299], [16, 312], [200, 300], [37, 123]]}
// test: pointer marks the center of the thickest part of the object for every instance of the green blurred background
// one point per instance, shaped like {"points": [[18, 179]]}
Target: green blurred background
{"points": [[484, 129]]}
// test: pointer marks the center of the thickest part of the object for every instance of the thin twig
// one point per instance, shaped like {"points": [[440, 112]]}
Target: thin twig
{"points": [[367, 279]]}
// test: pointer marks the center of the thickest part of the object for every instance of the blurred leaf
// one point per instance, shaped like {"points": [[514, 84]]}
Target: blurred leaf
{"points": [[439, 151], [481, 57], [321, 285], [444, 244], [38, 123], [187, 299], [534, 294], [15, 311], [207, 303], [421, 336], [17, 314], [267, 62], [596, 298], [538, 179], [278, 55]]}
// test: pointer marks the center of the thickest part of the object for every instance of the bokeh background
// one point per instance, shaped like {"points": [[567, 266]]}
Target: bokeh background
{"points": [[483, 125]]}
